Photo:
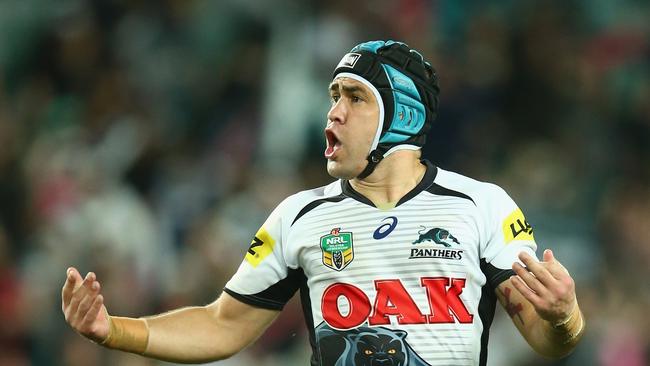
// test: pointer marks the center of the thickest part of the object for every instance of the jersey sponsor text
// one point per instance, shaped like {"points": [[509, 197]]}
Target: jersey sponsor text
{"points": [[392, 298]]}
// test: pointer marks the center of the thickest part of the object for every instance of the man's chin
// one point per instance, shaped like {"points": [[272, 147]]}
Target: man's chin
{"points": [[337, 170]]}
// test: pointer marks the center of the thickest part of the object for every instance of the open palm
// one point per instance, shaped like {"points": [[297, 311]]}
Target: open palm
{"points": [[83, 305]]}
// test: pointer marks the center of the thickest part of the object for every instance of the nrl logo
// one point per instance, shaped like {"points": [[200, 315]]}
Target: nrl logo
{"points": [[337, 249]]}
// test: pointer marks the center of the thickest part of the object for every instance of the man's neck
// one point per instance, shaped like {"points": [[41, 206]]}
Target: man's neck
{"points": [[393, 178]]}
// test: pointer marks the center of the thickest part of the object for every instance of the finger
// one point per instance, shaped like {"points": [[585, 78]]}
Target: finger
{"points": [[524, 290], [89, 280], [88, 300], [548, 256], [68, 287], [93, 311], [71, 311], [86, 285], [538, 269], [76, 276], [79, 294], [529, 279], [556, 268]]}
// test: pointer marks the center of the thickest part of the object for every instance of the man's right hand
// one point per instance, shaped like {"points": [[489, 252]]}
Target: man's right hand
{"points": [[83, 305]]}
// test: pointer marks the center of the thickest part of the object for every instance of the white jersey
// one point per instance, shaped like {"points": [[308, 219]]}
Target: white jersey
{"points": [[413, 285]]}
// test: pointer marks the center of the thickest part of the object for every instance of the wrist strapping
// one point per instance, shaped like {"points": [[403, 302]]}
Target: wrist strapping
{"points": [[127, 334], [570, 328]]}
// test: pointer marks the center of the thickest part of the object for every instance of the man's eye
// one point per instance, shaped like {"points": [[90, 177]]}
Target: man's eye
{"points": [[335, 98], [356, 99]]}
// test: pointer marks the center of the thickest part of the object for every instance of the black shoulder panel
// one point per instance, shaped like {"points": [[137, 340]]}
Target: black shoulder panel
{"points": [[312, 205], [442, 191]]}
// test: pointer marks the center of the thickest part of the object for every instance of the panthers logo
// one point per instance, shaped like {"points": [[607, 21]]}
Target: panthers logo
{"points": [[365, 346], [437, 235]]}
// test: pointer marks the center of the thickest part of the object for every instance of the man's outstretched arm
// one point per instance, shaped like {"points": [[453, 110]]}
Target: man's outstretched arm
{"points": [[187, 335], [541, 300]]}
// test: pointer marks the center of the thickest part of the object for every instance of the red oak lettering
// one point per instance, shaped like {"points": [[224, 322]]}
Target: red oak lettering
{"points": [[392, 299], [441, 300], [359, 306]]}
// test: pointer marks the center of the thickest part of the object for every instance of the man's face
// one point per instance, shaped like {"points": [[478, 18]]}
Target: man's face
{"points": [[351, 127]]}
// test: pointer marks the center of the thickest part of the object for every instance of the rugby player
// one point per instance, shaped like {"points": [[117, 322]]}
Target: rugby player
{"points": [[397, 262]]}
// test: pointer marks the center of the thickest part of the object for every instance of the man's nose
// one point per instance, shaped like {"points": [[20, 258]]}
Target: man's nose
{"points": [[337, 113]]}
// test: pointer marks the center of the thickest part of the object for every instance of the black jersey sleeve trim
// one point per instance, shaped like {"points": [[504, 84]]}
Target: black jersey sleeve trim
{"points": [[312, 205], [495, 275], [274, 297], [254, 300]]}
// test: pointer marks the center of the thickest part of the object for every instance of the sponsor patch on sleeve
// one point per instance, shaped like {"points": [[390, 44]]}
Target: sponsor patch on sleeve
{"points": [[261, 246], [515, 226]]}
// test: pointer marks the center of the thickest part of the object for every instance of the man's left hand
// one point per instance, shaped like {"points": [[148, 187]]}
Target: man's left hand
{"points": [[547, 285]]}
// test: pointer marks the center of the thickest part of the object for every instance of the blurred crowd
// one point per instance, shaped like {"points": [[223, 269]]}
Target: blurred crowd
{"points": [[148, 140]]}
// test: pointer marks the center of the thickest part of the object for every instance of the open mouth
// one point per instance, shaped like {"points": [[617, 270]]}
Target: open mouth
{"points": [[333, 144]]}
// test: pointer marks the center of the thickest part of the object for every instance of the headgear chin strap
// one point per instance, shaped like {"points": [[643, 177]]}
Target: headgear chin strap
{"points": [[406, 89]]}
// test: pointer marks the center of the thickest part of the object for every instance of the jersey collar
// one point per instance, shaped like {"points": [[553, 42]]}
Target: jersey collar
{"points": [[425, 183]]}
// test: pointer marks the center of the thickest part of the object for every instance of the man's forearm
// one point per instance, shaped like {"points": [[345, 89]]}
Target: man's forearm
{"points": [[191, 335], [187, 335]]}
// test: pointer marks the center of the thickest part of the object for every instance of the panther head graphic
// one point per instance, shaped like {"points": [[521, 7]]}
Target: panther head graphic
{"points": [[381, 349], [365, 346]]}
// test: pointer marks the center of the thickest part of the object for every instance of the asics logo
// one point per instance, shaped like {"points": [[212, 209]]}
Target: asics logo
{"points": [[385, 229]]}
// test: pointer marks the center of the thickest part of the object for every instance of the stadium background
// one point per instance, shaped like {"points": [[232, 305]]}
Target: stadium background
{"points": [[147, 141]]}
